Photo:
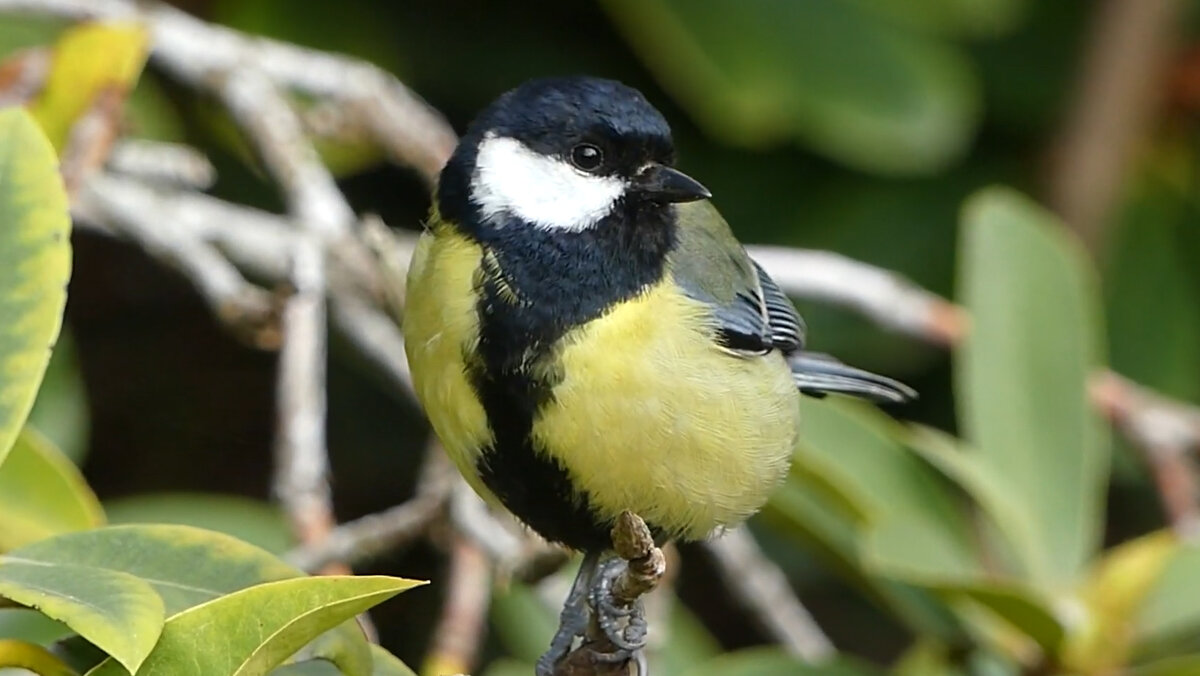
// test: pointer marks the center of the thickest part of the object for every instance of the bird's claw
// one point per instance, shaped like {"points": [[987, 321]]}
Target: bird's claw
{"points": [[630, 638]]}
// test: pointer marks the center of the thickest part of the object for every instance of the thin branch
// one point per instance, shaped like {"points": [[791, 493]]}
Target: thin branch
{"points": [[122, 212], [1124, 67], [881, 295], [301, 462], [366, 537], [202, 54], [1168, 433], [273, 128], [761, 587], [459, 631], [167, 164]]}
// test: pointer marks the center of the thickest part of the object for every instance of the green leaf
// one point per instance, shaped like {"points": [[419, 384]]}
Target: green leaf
{"points": [[33, 657], [1169, 613], [1153, 287], [384, 664], [187, 567], [1188, 665], [965, 468], [30, 625], [42, 494], [774, 662], [387, 664], [249, 632], [1021, 377], [758, 72], [254, 521], [116, 611], [35, 264], [955, 17], [60, 410]]}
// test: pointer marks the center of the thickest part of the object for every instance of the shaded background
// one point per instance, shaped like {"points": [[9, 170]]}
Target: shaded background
{"points": [[857, 126]]}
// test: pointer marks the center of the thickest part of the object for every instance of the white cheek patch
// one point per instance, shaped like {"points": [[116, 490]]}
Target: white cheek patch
{"points": [[548, 192]]}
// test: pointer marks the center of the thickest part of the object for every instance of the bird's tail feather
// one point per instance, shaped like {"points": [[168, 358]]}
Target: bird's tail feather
{"points": [[818, 374]]}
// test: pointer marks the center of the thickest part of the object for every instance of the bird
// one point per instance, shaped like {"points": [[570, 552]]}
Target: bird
{"points": [[586, 335]]}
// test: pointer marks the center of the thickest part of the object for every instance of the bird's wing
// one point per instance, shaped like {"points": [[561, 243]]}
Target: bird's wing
{"points": [[752, 313], [710, 265]]}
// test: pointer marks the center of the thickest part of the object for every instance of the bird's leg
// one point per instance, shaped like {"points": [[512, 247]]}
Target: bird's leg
{"points": [[574, 618], [608, 614]]}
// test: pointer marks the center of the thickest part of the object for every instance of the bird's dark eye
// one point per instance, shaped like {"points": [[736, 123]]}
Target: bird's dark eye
{"points": [[587, 157]]}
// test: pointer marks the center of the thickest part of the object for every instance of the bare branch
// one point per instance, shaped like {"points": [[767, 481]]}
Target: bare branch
{"points": [[371, 535], [881, 295], [122, 210], [459, 631], [202, 54], [760, 587], [167, 164], [301, 463], [1123, 70], [274, 129], [1167, 432]]}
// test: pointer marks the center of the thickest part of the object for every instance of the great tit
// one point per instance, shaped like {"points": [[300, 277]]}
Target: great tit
{"points": [[587, 336]]}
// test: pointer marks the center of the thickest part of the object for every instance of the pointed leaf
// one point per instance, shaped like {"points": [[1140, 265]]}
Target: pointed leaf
{"points": [[42, 494], [35, 264], [1021, 376], [117, 612], [186, 566], [251, 631], [189, 566]]}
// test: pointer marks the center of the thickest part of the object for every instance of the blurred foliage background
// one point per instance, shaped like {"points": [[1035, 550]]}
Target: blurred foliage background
{"points": [[858, 126]]}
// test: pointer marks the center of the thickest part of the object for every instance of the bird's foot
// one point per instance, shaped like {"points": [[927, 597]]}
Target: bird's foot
{"points": [[624, 625], [572, 622]]}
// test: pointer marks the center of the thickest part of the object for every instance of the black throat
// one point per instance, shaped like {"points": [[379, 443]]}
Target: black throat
{"points": [[537, 284]]}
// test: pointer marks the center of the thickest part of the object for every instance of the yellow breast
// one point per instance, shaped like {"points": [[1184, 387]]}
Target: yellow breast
{"points": [[651, 416], [648, 414]]}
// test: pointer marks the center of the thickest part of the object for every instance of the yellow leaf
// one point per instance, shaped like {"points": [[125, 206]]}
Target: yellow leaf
{"points": [[89, 60]]}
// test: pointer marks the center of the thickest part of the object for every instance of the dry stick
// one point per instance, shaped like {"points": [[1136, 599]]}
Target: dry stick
{"points": [[459, 631], [301, 463], [1124, 68], [1167, 432], [201, 54], [368, 536], [760, 585], [164, 164]]}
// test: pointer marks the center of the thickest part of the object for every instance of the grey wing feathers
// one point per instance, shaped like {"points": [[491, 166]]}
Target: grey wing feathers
{"points": [[786, 326], [753, 315]]}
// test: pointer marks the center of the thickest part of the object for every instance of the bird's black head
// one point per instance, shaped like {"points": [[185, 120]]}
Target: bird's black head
{"points": [[563, 154]]}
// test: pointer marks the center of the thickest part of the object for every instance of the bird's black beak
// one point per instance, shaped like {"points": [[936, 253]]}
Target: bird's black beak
{"points": [[661, 183]]}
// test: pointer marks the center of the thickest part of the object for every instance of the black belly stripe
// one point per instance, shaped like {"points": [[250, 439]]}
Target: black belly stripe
{"points": [[560, 280]]}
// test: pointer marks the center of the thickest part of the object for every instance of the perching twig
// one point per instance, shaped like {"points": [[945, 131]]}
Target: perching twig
{"points": [[1167, 432], [761, 587], [645, 567]]}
